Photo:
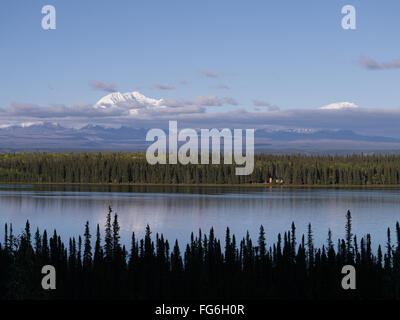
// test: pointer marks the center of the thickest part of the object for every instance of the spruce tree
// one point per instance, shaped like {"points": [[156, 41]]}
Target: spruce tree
{"points": [[87, 252], [261, 243], [310, 246], [108, 239], [116, 246], [98, 256], [349, 236]]}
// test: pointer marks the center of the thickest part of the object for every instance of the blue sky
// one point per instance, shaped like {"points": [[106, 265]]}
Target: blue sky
{"points": [[290, 54]]}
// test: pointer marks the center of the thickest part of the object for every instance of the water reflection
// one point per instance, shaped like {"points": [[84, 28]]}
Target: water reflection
{"points": [[177, 211]]}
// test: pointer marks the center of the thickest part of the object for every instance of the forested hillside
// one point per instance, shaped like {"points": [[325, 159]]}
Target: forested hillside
{"points": [[133, 168]]}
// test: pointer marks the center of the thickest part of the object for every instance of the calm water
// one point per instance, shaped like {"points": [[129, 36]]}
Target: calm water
{"points": [[177, 211]]}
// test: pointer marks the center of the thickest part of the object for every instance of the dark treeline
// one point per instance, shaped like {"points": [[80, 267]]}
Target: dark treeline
{"points": [[99, 266], [133, 168]]}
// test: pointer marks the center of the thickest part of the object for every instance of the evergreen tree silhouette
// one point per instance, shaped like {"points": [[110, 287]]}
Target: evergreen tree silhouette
{"points": [[98, 254], [108, 238], [349, 236], [87, 251]]}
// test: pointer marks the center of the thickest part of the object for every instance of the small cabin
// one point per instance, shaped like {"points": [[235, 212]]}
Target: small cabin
{"points": [[280, 180], [271, 180]]}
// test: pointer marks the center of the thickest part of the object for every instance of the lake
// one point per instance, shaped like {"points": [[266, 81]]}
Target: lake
{"points": [[177, 211]]}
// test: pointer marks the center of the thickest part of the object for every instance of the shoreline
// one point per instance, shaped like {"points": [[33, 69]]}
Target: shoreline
{"points": [[243, 185]]}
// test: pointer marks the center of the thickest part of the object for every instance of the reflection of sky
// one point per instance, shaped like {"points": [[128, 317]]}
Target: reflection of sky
{"points": [[176, 215]]}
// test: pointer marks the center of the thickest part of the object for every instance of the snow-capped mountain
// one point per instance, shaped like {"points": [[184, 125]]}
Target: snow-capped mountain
{"points": [[128, 99]]}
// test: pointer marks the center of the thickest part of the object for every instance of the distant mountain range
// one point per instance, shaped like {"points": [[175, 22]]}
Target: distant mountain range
{"points": [[54, 137]]}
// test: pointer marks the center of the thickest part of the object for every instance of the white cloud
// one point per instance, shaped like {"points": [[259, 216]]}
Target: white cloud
{"points": [[214, 101], [210, 74], [163, 87], [270, 107], [371, 64], [208, 101], [222, 86], [339, 105], [101, 86], [144, 112]]}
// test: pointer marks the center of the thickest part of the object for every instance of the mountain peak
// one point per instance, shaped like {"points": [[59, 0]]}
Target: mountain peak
{"points": [[126, 99]]}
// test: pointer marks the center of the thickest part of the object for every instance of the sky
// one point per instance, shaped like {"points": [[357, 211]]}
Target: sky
{"points": [[249, 63]]}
